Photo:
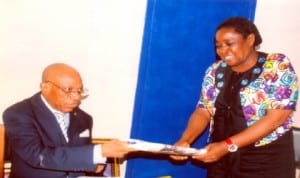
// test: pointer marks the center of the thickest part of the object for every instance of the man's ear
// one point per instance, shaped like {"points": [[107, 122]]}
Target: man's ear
{"points": [[45, 87]]}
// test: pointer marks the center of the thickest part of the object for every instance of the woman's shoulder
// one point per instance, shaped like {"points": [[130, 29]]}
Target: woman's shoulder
{"points": [[279, 61], [277, 57], [217, 63], [214, 66], [278, 65]]}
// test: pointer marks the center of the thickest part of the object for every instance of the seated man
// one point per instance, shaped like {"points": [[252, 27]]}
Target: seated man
{"points": [[50, 136]]}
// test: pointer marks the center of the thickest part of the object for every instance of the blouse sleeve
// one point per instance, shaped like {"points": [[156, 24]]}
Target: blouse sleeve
{"points": [[281, 81], [208, 90]]}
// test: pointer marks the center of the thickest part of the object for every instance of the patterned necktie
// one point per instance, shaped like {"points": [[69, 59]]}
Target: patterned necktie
{"points": [[62, 124]]}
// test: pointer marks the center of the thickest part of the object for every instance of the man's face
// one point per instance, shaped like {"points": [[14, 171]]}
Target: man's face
{"points": [[63, 93]]}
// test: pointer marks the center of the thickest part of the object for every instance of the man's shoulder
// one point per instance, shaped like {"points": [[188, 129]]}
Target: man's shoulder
{"points": [[18, 105], [81, 113], [23, 105]]}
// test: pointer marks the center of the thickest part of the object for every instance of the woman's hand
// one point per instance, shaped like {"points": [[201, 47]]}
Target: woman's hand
{"points": [[215, 151], [181, 144]]}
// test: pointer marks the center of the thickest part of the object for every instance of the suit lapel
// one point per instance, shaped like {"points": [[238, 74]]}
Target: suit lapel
{"points": [[46, 119], [77, 124]]}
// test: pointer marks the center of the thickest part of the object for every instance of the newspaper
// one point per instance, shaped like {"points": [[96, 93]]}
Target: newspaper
{"points": [[147, 146]]}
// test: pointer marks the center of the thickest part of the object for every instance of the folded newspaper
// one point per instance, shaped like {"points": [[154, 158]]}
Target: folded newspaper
{"points": [[147, 146]]}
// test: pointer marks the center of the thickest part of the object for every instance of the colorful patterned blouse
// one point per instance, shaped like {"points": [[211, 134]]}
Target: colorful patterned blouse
{"points": [[275, 87]]}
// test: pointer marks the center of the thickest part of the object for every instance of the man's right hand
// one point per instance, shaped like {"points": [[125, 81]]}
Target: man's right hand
{"points": [[100, 168], [116, 149]]}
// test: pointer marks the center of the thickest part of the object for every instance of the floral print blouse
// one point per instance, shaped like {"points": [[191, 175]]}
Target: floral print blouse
{"points": [[275, 87]]}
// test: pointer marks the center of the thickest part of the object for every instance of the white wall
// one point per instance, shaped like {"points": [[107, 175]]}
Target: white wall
{"points": [[279, 26], [102, 38]]}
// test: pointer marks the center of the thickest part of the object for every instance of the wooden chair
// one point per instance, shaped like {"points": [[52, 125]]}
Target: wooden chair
{"points": [[2, 145]]}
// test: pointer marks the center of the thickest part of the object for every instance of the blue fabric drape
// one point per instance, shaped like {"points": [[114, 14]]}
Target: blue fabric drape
{"points": [[178, 45]]}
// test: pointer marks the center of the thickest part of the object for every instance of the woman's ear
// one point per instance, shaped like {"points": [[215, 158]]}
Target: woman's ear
{"points": [[251, 39]]}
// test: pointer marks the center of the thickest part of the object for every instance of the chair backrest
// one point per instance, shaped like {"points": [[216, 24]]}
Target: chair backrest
{"points": [[2, 146]]}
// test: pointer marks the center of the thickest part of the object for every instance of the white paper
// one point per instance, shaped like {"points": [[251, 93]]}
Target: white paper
{"points": [[142, 145]]}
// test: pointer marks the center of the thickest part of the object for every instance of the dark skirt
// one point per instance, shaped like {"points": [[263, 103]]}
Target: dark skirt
{"points": [[275, 160]]}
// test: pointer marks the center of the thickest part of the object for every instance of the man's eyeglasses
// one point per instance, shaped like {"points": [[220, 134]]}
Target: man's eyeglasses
{"points": [[70, 91]]}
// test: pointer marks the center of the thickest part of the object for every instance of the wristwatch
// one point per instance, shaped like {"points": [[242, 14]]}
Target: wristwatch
{"points": [[231, 146]]}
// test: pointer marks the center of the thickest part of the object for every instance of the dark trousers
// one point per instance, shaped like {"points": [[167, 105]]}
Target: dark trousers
{"points": [[275, 160]]}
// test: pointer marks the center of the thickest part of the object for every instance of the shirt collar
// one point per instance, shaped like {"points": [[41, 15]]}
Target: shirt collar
{"points": [[51, 108]]}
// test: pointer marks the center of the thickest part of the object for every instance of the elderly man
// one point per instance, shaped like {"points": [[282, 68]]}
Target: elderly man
{"points": [[50, 135]]}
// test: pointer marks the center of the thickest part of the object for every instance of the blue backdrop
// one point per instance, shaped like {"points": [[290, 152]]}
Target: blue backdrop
{"points": [[177, 48]]}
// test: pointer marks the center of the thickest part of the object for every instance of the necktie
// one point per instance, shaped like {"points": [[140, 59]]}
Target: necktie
{"points": [[62, 124]]}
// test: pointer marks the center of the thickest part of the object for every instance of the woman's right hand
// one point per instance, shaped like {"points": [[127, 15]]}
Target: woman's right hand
{"points": [[181, 144]]}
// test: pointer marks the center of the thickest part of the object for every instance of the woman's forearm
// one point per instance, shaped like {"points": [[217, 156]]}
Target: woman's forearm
{"points": [[198, 122]]}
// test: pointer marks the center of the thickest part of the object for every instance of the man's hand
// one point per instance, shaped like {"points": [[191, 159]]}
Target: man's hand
{"points": [[116, 149], [100, 168]]}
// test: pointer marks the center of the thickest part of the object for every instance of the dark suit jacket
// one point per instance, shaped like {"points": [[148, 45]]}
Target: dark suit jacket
{"points": [[38, 147]]}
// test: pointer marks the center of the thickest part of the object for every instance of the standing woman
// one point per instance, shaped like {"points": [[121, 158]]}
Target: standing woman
{"points": [[248, 98]]}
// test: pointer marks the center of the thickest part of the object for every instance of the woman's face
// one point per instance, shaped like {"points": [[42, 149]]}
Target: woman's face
{"points": [[234, 49]]}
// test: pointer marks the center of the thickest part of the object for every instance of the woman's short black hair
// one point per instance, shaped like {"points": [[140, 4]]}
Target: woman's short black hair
{"points": [[243, 26]]}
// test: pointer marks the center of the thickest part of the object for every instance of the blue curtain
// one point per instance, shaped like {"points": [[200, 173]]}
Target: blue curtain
{"points": [[177, 48]]}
